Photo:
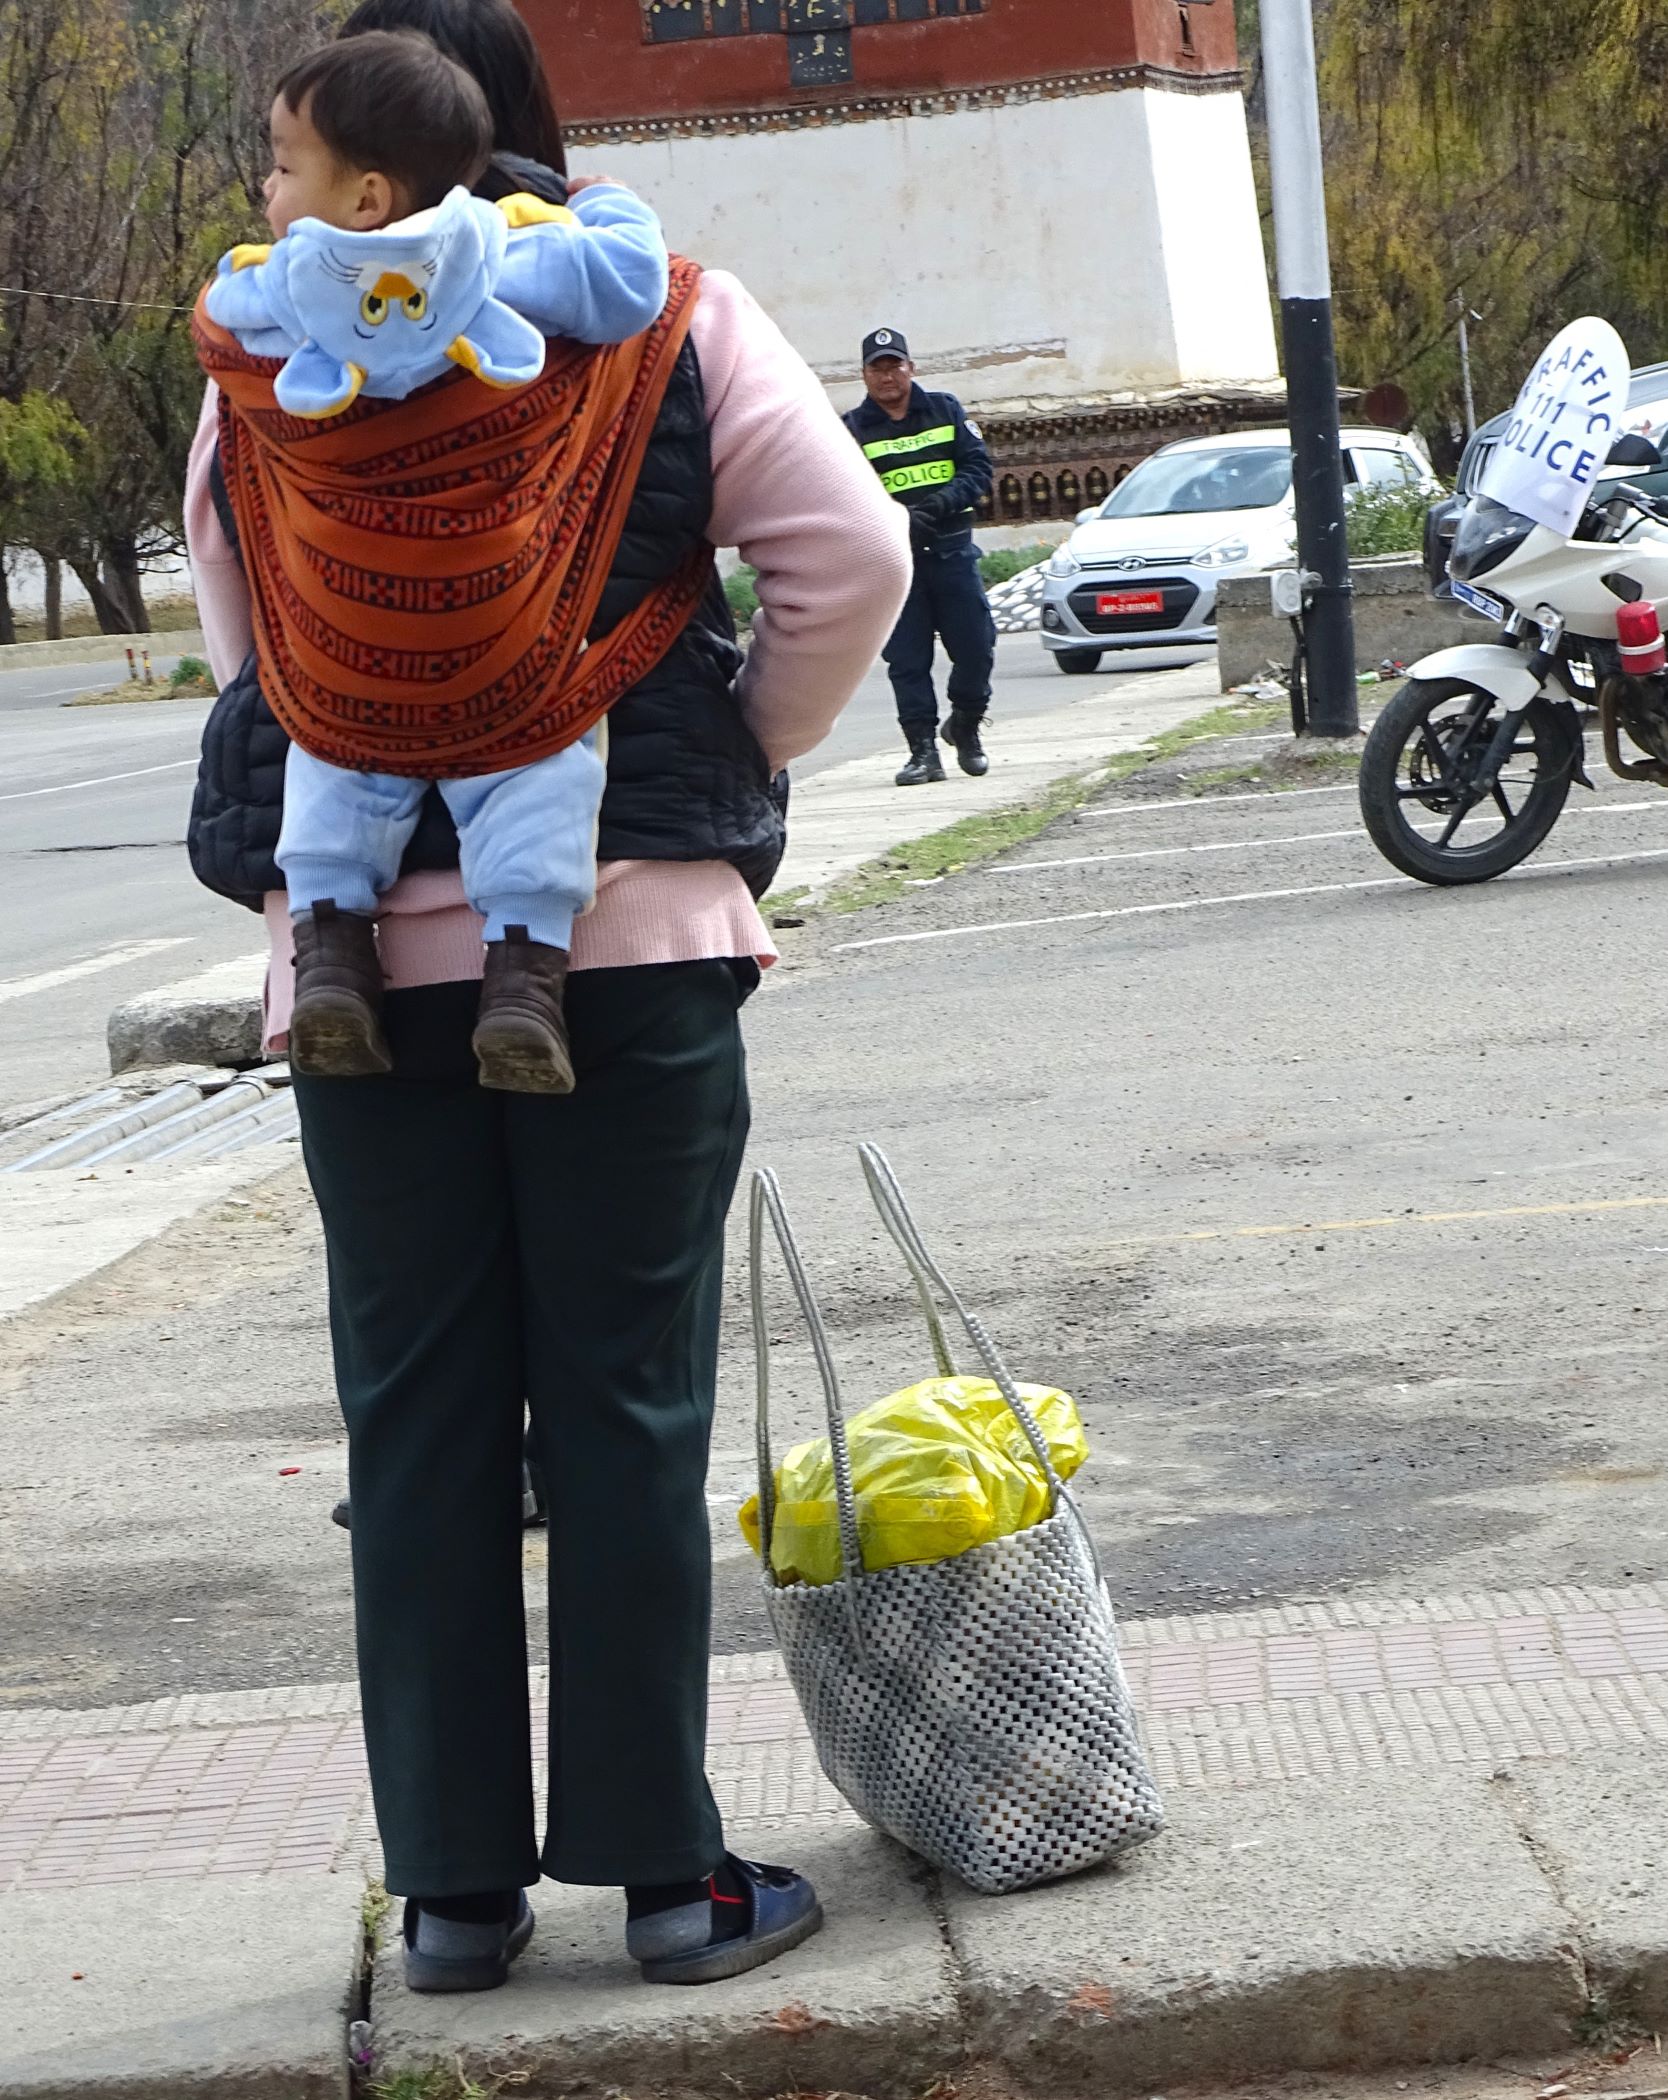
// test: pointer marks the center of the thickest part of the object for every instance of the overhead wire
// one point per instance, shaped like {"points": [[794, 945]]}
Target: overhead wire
{"points": [[155, 306]]}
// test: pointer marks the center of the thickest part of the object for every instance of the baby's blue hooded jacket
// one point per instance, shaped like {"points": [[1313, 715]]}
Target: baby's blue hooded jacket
{"points": [[467, 283]]}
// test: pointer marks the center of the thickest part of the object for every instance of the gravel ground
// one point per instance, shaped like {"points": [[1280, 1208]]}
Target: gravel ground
{"points": [[1341, 1203]]}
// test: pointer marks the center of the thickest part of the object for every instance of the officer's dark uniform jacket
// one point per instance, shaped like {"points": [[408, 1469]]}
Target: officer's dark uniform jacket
{"points": [[934, 462], [687, 780]]}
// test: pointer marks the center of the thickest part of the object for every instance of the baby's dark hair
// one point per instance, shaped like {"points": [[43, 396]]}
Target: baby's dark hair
{"points": [[392, 103], [494, 45]]}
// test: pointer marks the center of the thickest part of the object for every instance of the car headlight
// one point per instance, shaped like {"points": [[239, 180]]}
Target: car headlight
{"points": [[1226, 554], [1063, 562]]}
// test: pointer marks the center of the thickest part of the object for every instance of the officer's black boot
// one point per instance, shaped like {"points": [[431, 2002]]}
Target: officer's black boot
{"points": [[924, 761], [961, 732]]}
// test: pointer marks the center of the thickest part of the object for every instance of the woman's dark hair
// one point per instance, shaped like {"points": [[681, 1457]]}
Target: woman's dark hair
{"points": [[398, 105], [490, 40]]}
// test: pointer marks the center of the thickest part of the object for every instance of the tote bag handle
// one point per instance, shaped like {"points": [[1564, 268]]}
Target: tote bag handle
{"points": [[889, 1201], [768, 1204], [895, 1216]]}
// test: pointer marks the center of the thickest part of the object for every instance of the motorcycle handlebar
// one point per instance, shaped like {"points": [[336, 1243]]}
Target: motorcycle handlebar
{"points": [[1652, 506]]}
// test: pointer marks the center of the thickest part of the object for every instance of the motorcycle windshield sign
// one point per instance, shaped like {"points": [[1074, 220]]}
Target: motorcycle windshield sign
{"points": [[1572, 408]]}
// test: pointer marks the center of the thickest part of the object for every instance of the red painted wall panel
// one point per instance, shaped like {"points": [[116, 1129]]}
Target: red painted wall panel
{"points": [[602, 68]]}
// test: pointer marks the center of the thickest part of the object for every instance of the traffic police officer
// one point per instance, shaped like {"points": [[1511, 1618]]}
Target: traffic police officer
{"points": [[932, 458]]}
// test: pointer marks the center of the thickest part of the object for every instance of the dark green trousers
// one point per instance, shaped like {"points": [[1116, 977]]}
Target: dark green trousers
{"points": [[490, 1250]]}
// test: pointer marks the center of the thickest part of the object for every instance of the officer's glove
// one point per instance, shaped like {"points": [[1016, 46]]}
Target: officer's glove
{"points": [[922, 531]]}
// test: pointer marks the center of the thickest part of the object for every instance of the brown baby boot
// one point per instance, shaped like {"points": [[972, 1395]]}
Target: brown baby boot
{"points": [[522, 1039], [336, 1027]]}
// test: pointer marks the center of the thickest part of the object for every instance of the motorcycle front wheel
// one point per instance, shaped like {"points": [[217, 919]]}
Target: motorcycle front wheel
{"points": [[1419, 795]]}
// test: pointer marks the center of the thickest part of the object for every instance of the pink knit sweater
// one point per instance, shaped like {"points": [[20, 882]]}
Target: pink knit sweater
{"points": [[805, 508]]}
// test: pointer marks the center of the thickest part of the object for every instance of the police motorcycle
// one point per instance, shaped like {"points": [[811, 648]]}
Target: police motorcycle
{"points": [[1469, 766]]}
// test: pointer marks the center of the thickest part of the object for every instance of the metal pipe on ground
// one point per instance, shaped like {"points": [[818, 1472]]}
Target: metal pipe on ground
{"points": [[97, 1139], [263, 1120], [66, 1112], [281, 1130], [159, 1138]]}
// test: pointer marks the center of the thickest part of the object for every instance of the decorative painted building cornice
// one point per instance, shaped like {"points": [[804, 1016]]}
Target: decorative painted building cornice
{"points": [[1040, 420], [859, 109], [1054, 457]]}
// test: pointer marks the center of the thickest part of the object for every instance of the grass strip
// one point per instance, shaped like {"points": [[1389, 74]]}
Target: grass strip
{"points": [[1284, 769], [977, 839], [135, 692]]}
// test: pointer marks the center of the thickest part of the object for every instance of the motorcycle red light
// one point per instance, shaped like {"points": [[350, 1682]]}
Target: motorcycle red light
{"points": [[1639, 631]]}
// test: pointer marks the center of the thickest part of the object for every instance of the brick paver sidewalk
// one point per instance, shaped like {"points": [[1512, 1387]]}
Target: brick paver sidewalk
{"points": [[273, 1781]]}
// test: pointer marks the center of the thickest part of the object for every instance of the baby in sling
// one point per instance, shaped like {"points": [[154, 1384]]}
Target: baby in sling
{"points": [[433, 410]]}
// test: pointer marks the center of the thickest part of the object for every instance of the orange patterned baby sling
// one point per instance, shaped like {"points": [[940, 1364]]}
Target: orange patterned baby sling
{"points": [[424, 573]]}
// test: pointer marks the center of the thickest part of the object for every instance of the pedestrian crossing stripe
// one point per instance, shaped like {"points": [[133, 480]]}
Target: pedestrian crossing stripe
{"points": [[920, 441]]}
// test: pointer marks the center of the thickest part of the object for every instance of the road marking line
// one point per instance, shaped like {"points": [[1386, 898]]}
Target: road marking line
{"points": [[1216, 801], [1296, 838], [53, 692], [1422, 1217], [1179, 904], [1122, 911], [1096, 860], [69, 787], [1602, 808], [89, 966]]}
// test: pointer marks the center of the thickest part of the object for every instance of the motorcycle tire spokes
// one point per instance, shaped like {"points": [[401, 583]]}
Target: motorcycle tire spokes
{"points": [[1426, 796], [1441, 764]]}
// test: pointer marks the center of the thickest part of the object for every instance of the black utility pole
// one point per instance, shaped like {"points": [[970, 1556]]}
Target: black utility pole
{"points": [[1305, 277]]}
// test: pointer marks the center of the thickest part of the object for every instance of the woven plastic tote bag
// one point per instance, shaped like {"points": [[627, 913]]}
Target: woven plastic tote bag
{"points": [[974, 1709]]}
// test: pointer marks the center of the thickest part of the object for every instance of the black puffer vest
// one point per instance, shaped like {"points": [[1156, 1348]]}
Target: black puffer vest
{"points": [[686, 777]]}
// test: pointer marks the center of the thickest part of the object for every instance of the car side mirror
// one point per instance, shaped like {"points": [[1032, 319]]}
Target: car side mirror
{"points": [[1085, 516], [1634, 449]]}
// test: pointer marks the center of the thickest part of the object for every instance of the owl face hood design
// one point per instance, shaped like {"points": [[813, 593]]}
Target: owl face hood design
{"points": [[379, 314]]}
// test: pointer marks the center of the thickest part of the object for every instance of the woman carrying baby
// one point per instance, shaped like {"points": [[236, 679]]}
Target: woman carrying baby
{"points": [[488, 1247]]}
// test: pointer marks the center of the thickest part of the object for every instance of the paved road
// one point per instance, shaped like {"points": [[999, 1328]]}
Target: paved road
{"points": [[1342, 1204], [100, 903]]}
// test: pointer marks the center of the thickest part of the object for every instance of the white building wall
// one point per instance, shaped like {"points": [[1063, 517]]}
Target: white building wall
{"points": [[169, 576], [1211, 236], [1089, 244]]}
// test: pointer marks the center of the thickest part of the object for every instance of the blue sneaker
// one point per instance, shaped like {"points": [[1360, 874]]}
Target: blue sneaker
{"points": [[442, 1954], [681, 1945]]}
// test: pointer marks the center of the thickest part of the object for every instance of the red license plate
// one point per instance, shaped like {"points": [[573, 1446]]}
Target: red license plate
{"points": [[1110, 602]]}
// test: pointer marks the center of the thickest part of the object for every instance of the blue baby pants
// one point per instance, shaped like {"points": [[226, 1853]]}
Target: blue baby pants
{"points": [[527, 838]]}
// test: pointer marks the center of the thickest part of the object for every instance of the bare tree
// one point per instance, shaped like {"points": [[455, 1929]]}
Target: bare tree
{"points": [[132, 148]]}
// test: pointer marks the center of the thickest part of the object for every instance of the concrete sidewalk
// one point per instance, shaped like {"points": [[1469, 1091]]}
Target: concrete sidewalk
{"points": [[1402, 1831], [852, 813]]}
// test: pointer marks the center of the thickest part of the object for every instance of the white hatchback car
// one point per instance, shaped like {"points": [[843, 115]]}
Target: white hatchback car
{"points": [[1141, 571]]}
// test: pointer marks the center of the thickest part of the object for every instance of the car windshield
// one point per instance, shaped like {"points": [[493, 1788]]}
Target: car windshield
{"points": [[1176, 484]]}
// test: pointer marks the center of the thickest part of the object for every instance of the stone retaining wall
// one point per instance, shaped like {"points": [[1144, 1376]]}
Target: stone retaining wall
{"points": [[1395, 617]]}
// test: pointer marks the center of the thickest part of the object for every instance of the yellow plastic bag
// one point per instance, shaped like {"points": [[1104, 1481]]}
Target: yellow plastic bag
{"points": [[938, 1468]]}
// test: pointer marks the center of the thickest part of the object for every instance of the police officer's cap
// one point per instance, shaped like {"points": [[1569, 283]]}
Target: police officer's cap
{"points": [[885, 342]]}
